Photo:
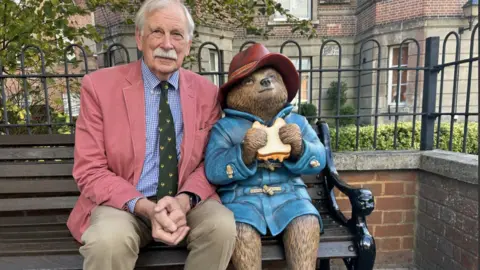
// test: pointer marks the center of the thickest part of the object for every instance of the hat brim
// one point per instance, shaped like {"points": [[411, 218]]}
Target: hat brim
{"points": [[277, 61]]}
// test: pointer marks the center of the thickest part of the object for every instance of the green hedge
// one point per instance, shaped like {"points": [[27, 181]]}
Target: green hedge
{"points": [[385, 135]]}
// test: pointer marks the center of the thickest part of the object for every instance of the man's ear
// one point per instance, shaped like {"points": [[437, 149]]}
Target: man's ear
{"points": [[189, 45], [138, 38]]}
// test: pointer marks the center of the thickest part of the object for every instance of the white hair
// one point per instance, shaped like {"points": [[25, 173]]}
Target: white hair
{"points": [[152, 5]]}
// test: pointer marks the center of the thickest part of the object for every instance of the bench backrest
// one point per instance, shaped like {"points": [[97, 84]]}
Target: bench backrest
{"points": [[36, 174]]}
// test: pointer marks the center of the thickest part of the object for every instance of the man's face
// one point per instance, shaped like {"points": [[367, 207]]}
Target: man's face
{"points": [[165, 41]]}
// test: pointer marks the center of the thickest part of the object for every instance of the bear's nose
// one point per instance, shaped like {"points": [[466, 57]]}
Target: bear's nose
{"points": [[265, 82]]}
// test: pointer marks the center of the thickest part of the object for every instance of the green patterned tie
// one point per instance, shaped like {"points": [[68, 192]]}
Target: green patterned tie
{"points": [[168, 171]]}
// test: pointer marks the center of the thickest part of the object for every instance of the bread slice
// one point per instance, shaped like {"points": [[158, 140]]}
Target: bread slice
{"points": [[275, 149]]}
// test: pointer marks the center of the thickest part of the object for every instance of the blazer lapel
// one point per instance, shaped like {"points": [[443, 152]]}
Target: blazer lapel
{"points": [[133, 95], [189, 107]]}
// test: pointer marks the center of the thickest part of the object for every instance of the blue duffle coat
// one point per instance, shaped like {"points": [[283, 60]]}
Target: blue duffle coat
{"points": [[240, 185]]}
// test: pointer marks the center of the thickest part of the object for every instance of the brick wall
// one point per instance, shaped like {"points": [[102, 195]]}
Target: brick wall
{"points": [[372, 12], [447, 225], [392, 222], [366, 16], [335, 18]]}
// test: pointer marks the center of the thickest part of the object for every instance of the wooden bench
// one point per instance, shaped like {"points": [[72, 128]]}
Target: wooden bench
{"points": [[37, 192]]}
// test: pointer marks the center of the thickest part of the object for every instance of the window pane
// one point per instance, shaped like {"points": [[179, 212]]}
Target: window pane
{"points": [[213, 62], [403, 94], [286, 5], [405, 54], [394, 76], [298, 8], [395, 53], [304, 76], [404, 76]]}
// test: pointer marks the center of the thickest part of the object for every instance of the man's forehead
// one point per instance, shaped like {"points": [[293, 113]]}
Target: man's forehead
{"points": [[155, 19]]}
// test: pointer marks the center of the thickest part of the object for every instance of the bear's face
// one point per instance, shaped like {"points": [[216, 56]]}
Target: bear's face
{"points": [[263, 94]]}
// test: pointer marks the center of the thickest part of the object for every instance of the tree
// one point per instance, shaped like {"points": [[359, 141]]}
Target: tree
{"points": [[51, 25]]}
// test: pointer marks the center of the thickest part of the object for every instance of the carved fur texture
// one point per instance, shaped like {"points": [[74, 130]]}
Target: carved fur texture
{"points": [[254, 139], [262, 94], [300, 240], [248, 249], [291, 134]]}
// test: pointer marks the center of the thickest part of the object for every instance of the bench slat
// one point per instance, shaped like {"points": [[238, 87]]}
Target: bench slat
{"points": [[47, 203], [310, 179], [151, 258], [35, 169], [38, 186], [24, 153], [37, 140], [32, 221]]}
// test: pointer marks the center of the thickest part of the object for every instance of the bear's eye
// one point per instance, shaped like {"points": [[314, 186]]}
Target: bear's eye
{"points": [[248, 81]]}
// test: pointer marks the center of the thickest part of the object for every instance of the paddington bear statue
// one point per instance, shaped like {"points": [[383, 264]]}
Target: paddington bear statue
{"points": [[256, 154]]}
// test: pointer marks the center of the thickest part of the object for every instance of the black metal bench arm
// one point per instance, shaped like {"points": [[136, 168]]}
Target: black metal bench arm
{"points": [[362, 202]]}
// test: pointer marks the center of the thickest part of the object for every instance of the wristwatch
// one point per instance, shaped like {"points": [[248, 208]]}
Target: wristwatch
{"points": [[194, 199]]}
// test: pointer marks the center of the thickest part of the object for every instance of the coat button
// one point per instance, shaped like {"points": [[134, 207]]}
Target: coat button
{"points": [[314, 163], [229, 171]]}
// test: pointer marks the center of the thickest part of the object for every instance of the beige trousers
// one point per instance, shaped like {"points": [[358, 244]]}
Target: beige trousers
{"points": [[114, 238]]}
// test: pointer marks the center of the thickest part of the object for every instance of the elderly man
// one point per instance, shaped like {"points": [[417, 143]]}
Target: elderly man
{"points": [[139, 146]]}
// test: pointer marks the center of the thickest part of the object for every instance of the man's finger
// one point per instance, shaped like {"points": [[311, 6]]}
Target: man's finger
{"points": [[171, 238], [167, 203], [165, 222], [163, 236], [178, 217], [182, 232]]}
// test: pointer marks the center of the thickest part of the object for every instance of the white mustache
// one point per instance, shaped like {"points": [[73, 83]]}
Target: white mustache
{"points": [[159, 52]]}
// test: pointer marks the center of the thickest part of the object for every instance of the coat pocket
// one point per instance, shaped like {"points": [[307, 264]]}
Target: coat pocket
{"points": [[227, 193], [301, 190]]}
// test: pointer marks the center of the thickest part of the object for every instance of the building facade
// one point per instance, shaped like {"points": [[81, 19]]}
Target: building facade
{"points": [[352, 24]]}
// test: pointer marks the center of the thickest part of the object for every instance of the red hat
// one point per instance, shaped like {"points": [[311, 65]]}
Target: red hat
{"points": [[255, 57]]}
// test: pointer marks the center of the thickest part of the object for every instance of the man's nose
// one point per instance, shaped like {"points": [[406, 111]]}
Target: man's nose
{"points": [[166, 43], [265, 82]]}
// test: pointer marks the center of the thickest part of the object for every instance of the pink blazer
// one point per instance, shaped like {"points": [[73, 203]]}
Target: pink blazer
{"points": [[110, 139]]}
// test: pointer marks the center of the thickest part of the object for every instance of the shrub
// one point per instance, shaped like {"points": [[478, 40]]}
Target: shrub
{"points": [[308, 110], [17, 116], [385, 136]]}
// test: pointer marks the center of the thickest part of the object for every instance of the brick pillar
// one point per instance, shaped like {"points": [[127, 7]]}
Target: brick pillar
{"points": [[392, 222]]}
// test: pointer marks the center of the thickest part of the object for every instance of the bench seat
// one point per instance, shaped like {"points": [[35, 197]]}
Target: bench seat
{"points": [[37, 192]]}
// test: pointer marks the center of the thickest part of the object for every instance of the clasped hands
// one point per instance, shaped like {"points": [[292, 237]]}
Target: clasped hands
{"points": [[169, 219]]}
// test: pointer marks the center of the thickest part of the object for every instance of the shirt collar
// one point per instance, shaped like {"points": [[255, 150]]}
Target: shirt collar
{"points": [[152, 80]]}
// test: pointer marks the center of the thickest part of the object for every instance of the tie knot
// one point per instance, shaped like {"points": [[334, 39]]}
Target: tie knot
{"points": [[164, 85]]}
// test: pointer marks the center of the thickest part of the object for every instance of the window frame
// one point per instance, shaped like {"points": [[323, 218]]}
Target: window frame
{"points": [[215, 79], [306, 97], [313, 15], [390, 82]]}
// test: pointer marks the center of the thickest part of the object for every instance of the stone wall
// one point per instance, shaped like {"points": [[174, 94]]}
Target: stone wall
{"points": [[447, 215], [426, 206]]}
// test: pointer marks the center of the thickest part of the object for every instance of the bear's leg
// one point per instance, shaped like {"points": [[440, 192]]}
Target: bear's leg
{"points": [[248, 248], [301, 239]]}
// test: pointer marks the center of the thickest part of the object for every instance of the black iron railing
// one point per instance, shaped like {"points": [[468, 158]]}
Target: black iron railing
{"points": [[427, 104]]}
